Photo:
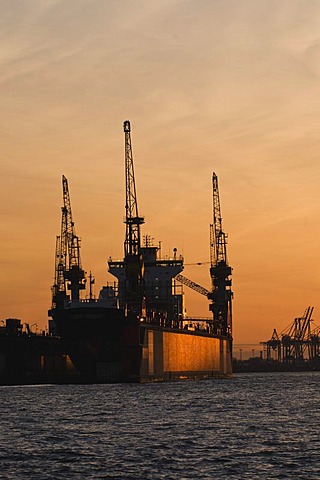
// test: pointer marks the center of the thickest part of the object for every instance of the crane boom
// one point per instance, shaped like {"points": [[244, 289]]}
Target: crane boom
{"points": [[69, 234], [59, 294], [219, 238], [195, 286]]}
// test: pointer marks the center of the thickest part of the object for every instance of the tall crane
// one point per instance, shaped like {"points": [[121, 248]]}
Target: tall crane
{"points": [[74, 272], [67, 261], [221, 295], [134, 289]]}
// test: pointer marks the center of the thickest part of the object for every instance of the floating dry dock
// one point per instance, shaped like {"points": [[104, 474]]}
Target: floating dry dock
{"points": [[136, 329]]}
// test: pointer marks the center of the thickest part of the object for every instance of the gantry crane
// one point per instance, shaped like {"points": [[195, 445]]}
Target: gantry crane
{"points": [[221, 295], [134, 288], [67, 260], [297, 345]]}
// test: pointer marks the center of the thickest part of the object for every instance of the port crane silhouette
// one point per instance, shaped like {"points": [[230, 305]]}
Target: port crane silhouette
{"points": [[297, 345], [133, 262], [221, 294], [69, 274]]}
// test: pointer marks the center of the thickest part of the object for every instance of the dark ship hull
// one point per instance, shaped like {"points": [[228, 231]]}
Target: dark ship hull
{"points": [[105, 346]]}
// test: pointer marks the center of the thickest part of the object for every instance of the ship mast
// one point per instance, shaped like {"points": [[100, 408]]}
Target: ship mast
{"points": [[220, 270], [134, 293]]}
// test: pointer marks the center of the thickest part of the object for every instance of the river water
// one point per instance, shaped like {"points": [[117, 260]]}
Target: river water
{"points": [[253, 426]]}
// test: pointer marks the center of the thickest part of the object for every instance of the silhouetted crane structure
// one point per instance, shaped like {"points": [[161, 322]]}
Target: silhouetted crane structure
{"points": [[298, 345], [59, 287], [189, 283], [134, 288], [221, 295], [69, 274]]}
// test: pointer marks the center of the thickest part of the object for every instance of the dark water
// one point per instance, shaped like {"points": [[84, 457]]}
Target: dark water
{"points": [[254, 426]]}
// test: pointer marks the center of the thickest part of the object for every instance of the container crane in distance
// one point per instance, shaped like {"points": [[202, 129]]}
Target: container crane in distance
{"points": [[297, 344]]}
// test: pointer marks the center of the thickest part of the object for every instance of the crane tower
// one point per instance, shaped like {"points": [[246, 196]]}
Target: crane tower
{"points": [[221, 295], [134, 291], [67, 261]]}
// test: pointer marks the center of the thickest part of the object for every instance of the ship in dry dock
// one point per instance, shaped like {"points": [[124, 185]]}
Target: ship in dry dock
{"points": [[136, 330]]}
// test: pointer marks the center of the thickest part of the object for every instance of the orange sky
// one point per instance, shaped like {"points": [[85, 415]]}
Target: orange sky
{"points": [[211, 85]]}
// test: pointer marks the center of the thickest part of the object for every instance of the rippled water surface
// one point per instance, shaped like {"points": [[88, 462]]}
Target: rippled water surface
{"points": [[253, 426]]}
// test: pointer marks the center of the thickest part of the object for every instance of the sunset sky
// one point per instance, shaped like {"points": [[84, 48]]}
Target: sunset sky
{"points": [[223, 86]]}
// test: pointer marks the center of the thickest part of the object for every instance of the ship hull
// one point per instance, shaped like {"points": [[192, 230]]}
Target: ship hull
{"points": [[107, 347]]}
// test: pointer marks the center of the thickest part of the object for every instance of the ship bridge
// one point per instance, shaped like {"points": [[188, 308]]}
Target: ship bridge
{"points": [[164, 300]]}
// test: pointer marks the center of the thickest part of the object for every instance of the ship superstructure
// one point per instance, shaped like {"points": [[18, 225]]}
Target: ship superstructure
{"points": [[163, 299]]}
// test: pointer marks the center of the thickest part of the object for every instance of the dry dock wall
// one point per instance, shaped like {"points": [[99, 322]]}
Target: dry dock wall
{"points": [[168, 354]]}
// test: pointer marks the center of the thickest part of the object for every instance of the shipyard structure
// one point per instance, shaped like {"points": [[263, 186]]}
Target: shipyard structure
{"points": [[136, 330], [297, 347]]}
